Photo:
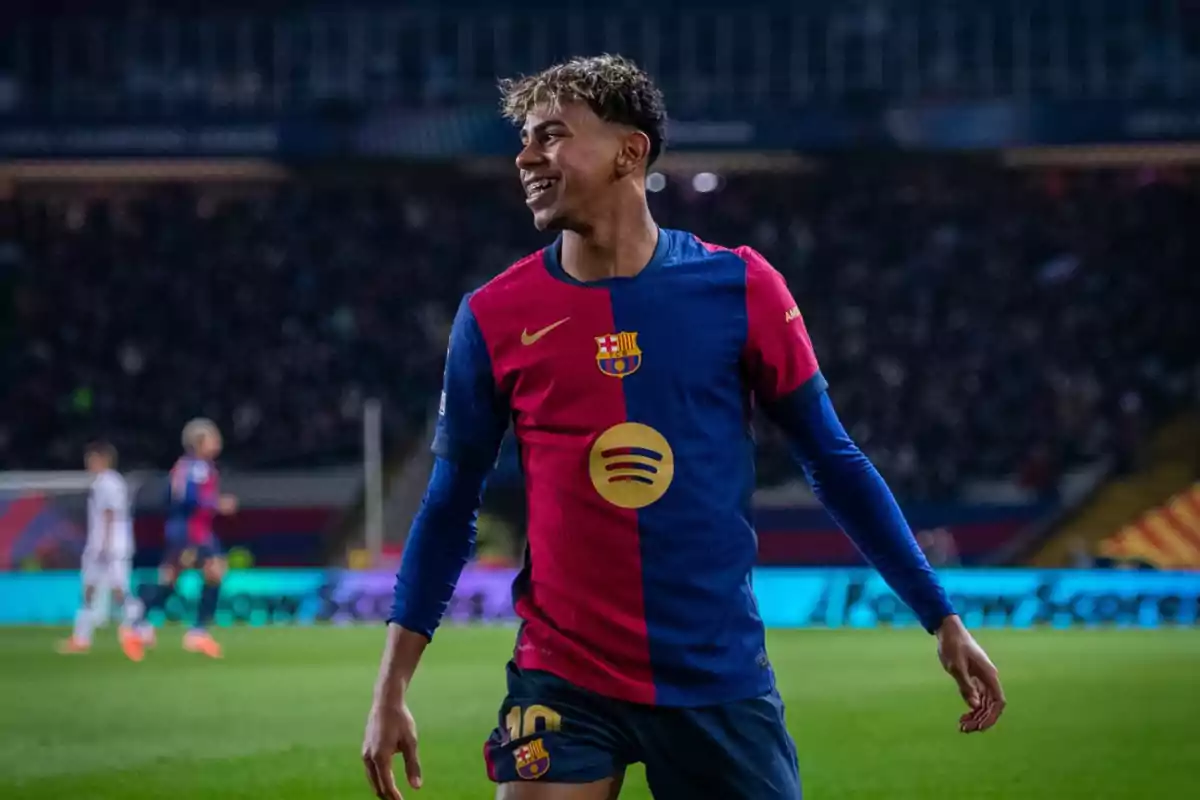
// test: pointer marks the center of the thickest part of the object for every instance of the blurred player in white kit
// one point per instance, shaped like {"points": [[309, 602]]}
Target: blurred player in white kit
{"points": [[107, 557]]}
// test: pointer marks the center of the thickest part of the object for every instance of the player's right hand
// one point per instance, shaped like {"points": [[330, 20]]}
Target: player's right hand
{"points": [[227, 504], [391, 729]]}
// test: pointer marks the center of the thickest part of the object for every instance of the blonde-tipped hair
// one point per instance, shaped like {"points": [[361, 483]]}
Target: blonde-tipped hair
{"points": [[613, 86], [200, 426]]}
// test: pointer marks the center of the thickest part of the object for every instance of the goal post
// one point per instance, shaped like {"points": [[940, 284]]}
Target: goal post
{"points": [[373, 480]]}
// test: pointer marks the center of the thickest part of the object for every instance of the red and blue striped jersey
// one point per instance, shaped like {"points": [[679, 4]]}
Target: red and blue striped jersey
{"points": [[192, 502], [631, 402]]}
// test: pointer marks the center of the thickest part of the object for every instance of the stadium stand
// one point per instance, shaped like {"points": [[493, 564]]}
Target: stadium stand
{"points": [[266, 212], [1166, 537], [975, 323], [167, 59]]}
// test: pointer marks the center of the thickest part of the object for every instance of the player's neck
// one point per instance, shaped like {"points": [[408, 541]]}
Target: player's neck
{"points": [[616, 245]]}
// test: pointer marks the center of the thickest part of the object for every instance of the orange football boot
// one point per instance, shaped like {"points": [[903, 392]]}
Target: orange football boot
{"points": [[201, 642], [131, 643], [73, 646]]}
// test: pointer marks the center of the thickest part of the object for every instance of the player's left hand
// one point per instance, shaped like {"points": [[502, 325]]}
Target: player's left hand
{"points": [[975, 674]]}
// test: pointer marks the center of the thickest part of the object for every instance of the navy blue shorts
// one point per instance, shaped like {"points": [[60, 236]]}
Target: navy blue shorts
{"points": [[553, 731], [191, 556]]}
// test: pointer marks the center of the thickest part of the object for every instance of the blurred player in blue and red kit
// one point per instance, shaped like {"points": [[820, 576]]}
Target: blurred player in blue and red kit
{"points": [[628, 359], [193, 503]]}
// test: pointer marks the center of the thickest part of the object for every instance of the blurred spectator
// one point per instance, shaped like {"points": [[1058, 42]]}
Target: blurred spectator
{"points": [[974, 323], [939, 547], [119, 58]]}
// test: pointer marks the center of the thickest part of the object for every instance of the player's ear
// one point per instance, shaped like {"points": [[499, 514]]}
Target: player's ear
{"points": [[634, 153]]}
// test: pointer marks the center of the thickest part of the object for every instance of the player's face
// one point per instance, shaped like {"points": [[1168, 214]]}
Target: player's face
{"points": [[209, 446], [567, 160], [95, 462]]}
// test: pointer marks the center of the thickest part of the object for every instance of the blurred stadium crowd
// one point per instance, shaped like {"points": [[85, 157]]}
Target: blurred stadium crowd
{"points": [[974, 322], [133, 57]]}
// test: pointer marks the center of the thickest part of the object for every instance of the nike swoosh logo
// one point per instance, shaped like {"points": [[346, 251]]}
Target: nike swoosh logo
{"points": [[528, 338]]}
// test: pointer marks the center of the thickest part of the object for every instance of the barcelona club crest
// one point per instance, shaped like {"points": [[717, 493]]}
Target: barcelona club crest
{"points": [[618, 354], [532, 760]]}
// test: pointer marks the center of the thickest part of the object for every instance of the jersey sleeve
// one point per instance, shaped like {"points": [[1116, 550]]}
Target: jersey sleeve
{"points": [[858, 499], [182, 491], [472, 414], [439, 543], [784, 375], [472, 418], [106, 493], [109, 496], [779, 356], [193, 486]]}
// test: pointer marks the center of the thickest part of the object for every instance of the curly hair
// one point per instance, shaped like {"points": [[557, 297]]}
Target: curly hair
{"points": [[615, 88]]}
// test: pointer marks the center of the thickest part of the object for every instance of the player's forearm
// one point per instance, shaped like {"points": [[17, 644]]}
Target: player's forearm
{"points": [[856, 496], [401, 654], [439, 544]]}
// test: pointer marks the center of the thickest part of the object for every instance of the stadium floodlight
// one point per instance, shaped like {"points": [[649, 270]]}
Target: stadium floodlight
{"points": [[705, 182]]}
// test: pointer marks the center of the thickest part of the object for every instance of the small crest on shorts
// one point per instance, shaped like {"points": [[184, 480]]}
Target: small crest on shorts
{"points": [[532, 760]]}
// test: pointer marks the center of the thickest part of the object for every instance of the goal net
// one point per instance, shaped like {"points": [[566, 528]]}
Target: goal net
{"points": [[43, 518]]}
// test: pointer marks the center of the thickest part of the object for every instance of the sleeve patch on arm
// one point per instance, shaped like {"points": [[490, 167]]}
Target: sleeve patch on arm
{"points": [[779, 354]]}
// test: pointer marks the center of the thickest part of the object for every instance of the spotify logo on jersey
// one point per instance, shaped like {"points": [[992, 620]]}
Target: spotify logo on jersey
{"points": [[631, 465]]}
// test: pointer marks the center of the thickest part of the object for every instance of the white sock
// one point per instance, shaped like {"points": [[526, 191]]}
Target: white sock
{"points": [[85, 622], [133, 611], [101, 605]]}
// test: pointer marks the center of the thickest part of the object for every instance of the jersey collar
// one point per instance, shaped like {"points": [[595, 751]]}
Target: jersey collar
{"points": [[551, 257]]}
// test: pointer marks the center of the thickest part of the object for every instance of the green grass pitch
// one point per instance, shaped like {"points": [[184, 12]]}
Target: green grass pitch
{"points": [[1092, 714]]}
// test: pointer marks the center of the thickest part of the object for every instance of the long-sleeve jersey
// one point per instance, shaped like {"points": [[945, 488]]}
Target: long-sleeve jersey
{"points": [[631, 402], [192, 502], [110, 495]]}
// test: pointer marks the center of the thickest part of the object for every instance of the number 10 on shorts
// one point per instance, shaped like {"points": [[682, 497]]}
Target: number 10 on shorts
{"points": [[531, 721]]}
